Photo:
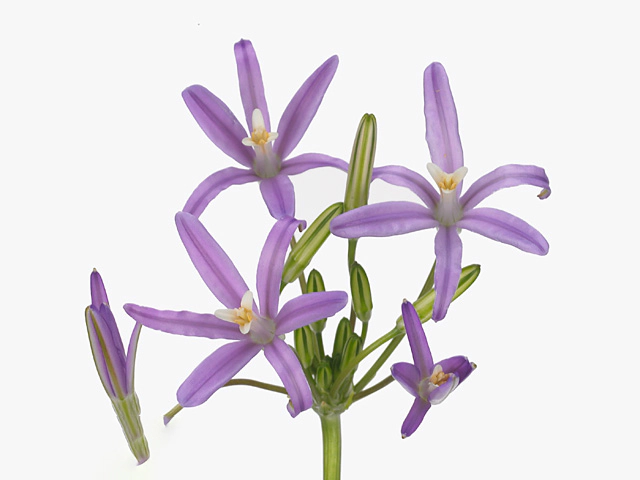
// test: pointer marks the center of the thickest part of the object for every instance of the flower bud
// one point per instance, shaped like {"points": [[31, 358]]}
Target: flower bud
{"points": [[315, 283], [343, 333], [361, 164], [304, 341], [360, 292], [324, 376]]}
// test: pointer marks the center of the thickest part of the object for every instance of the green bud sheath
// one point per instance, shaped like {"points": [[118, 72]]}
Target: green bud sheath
{"points": [[342, 335], [361, 164], [352, 348], [360, 292], [309, 243], [304, 341], [315, 283], [324, 377]]}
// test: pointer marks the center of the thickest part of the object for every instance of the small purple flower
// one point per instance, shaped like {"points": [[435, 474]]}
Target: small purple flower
{"points": [[252, 328], [429, 383], [446, 210], [114, 367], [261, 151]]}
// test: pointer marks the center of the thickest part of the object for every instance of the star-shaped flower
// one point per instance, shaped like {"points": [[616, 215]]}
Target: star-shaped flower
{"points": [[262, 152], [445, 209]]}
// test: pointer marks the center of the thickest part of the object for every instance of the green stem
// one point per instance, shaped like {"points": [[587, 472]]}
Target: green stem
{"points": [[254, 383], [364, 381], [378, 386], [331, 446]]}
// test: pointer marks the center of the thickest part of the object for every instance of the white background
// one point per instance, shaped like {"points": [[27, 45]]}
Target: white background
{"points": [[98, 152]]}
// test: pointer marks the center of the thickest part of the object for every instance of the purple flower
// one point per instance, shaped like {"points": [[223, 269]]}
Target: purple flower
{"points": [[114, 367], [262, 151], [429, 383], [252, 328], [447, 210]]}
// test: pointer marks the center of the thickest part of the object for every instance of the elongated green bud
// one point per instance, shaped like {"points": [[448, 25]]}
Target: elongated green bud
{"points": [[361, 164], [310, 242], [351, 349], [360, 292], [304, 341], [342, 335], [128, 412], [324, 377], [424, 304], [315, 283]]}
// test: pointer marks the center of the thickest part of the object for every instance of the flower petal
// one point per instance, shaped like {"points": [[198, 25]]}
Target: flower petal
{"points": [[303, 107], [98, 292], [422, 358], [213, 185], [287, 366], [407, 375], [307, 161], [458, 365], [448, 249], [441, 392], [503, 177], [506, 228], [307, 308], [441, 119], [415, 416], [271, 263], [132, 349], [213, 264], [218, 123], [214, 371], [250, 78], [97, 350], [403, 177], [383, 220], [184, 323], [279, 196]]}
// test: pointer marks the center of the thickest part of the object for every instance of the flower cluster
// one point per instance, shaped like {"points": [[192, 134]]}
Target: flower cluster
{"points": [[312, 376]]}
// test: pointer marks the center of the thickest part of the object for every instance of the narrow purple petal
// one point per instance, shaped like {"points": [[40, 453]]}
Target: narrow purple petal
{"points": [[213, 185], [307, 161], [279, 196], [132, 350], [218, 123], [270, 265], [503, 177], [403, 177], [441, 392], [308, 308], [448, 249], [303, 107], [406, 375], [251, 86], [214, 371], [287, 366], [441, 119], [97, 350], [415, 416], [383, 220], [417, 340], [212, 263], [98, 292], [458, 365], [506, 228], [184, 323], [108, 350]]}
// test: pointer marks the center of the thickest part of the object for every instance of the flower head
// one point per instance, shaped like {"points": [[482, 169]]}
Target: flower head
{"points": [[251, 328], [115, 368], [445, 209], [430, 383], [262, 151]]}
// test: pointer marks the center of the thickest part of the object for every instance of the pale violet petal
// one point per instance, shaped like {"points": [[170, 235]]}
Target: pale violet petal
{"points": [[448, 250], [307, 308]]}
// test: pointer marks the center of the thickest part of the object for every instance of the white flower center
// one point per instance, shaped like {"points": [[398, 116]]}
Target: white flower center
{"points": [[429, 384], [448, 211], [243, 316], [266, 163]]}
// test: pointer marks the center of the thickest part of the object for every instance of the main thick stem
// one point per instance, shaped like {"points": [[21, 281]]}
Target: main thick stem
{"points": [[331, 446]]}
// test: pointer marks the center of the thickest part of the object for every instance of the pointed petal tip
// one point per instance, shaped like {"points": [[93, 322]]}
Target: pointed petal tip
{"points": [[544, 193]]}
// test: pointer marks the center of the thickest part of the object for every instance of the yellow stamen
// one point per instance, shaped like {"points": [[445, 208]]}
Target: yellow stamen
{"points": [[439, 377]]}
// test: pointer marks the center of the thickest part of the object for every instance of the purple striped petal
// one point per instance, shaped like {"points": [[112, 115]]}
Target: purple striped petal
{"points": [[98, 292], [420, 350], [307, 161], [279, 196], [250, 78], [184, 323], [97, 350], [218, 123], [440, 393], [271, 263], [504, 177], [506, 228], [448, 249], [132, 350], [403, 177], [308, 308], [441, 119], [303, 107], [383, 220], [212, 263], [406, 375], [213, 185], [458, 365], [287, 366], [415, 416], [214, 371]]}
